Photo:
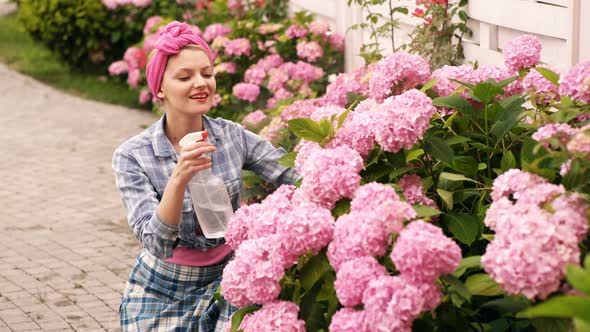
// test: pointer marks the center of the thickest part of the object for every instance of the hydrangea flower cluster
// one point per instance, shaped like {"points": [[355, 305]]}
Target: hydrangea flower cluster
{"points": [[522, 52], [277, 316], [541, 89], [355, 82], [246, 91], [282, 227], [331, 174], [576, 83], [215, 30], [414, 192], [402, 120], [310, 51], [349, 320], [398, 72], [445, 87], [253, 119], [424, 252], [238, 47], [538, 228]]}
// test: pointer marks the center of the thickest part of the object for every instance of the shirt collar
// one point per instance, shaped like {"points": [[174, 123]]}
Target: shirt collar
{"points": [[163, 147]]}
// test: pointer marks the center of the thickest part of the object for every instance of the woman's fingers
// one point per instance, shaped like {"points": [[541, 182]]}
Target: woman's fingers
{"points": [[196, 150]]}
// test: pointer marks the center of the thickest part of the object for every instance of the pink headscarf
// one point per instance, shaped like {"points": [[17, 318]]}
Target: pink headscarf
{"points": [[170, 41]]}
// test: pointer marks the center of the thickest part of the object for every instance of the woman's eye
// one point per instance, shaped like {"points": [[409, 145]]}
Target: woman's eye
{"points": [[207, 75], [185, 78]]}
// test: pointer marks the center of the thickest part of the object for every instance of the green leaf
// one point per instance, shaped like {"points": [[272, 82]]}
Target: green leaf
{"points": [[467, 263], [439, 149], [486, 91], [508, 304], [447, 197], [464, 227], [581, 325], [463, 16], [457, 139], [312, 271], [423, 211], [457, 103], [551, 325], [508, 161], [428, 85], [342, 207], [307, 129], [288, 159], [482, 284], [455, 177], [578, 278], [550, 75], [413, 155], [506, 120], [238, 316], [457, 286], [566, 306], [343, 116], [465, 164]]}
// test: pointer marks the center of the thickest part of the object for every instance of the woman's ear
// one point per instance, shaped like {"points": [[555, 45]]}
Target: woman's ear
{"points": [[161, 94]]}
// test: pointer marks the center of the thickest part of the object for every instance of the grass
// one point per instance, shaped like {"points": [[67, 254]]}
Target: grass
{"points": [[20, 53]]}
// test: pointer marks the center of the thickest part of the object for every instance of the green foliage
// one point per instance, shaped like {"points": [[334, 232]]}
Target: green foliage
{"points": [[85, 33]]}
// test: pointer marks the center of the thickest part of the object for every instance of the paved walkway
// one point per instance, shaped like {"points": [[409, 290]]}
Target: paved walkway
{"points": [[65, 247]]}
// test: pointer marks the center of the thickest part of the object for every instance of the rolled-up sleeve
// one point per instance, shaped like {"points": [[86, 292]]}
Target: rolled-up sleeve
{"points": [[140, 200], [262, 158]]}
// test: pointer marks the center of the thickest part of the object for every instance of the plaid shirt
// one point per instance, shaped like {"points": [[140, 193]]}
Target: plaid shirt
{"points": [[144, 164]]}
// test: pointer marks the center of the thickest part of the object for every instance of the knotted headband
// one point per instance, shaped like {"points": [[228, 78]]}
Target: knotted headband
{"points": [[170, 41]]}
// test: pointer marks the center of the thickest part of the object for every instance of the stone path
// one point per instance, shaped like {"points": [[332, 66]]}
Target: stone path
{"points": [[65, 247]]}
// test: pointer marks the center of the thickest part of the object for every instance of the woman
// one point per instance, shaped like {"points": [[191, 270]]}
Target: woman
{"points": [[175, 276]]}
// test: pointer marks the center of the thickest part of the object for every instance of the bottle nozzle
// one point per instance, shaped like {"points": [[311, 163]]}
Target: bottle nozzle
{"points": [[193, 137]]}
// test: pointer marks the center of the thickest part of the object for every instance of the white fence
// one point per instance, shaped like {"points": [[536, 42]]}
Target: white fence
{"points": [[563, 26]]}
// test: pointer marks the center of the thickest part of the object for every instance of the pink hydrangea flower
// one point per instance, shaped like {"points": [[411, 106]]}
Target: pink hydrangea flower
{"points": [[110, 4], [498, 74], [216, 100], [445, 87], [402, 120], [270, 61], [319, 28], [253, 275], [240, 223], [216, 30], [344, 83], [356, 237], [246, 91], [537, 229], [135, 57], [299, 109], [576, 83], [580, 143], [413, 191], [424, 252], [277, 316], [238, 47], [331, 174], [134, 77], [226, 67], [356, 132], [277, 79], [310, 51], [336, 41], [254, 75], [306, 72], [542, 90], [522, 52], [253, 119], [144, 97], [142, 3], [399, 71], [271, 131], [392, 304], [380, 203], [282, 94], [304, 148], [118, 68], [296, 31], [150, 23], [354, 276], [560, 131], [349, 320]]}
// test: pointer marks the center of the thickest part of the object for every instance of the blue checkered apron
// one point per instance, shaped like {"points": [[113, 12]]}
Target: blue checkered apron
{"points": [[161, 296]]}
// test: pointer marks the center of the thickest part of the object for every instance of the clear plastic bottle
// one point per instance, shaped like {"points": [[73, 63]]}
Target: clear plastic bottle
{"points": [[209, 195]]}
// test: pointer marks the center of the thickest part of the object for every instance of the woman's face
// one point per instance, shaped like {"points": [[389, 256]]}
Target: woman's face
{"points": [[188, 84]]}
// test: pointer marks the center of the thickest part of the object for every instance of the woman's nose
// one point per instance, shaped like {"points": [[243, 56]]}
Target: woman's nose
{"points": [[199, 81]]}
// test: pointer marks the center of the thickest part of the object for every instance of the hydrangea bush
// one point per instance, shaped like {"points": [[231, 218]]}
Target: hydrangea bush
{"points": [[447, 200]]}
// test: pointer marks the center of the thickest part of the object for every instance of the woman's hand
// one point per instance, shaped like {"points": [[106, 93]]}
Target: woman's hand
{"points": [[191, 161]]}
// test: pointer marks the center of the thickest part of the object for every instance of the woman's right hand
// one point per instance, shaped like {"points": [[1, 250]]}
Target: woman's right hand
{"points": [[191, 161]]}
